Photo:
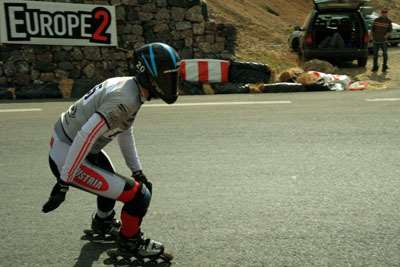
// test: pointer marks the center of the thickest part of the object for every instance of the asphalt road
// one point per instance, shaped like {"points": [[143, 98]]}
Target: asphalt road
{"points": [[310, 181]]}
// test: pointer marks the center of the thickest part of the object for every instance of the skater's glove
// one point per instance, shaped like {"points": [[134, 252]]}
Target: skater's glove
{"points": [[141, 178], [57, 197]]}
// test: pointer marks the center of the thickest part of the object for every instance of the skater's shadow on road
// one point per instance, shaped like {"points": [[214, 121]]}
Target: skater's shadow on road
{"points": [[91, 253]]}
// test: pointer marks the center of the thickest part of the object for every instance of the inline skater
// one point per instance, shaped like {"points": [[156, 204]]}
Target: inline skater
{"points": [[106, 112]]}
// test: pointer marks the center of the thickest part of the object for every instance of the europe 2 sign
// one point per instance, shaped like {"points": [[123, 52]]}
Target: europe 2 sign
{"points": [[28, 22]]}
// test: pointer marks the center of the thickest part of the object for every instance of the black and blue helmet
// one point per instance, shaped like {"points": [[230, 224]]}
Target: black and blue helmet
{"points": [[157, 69]]}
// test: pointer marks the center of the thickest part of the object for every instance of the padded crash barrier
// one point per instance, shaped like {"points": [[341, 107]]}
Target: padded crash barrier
{"points": [[249, 72], [223, 71], [213, 76]]}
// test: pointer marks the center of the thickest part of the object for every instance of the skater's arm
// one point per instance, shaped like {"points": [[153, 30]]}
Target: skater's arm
{"points": [[82, 144], [126, 142]]}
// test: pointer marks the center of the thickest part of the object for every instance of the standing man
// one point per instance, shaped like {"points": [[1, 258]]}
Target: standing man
{"points": [[381, 29], [80, 134]]}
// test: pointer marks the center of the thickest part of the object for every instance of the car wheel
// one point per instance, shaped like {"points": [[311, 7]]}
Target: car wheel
{"points": [[295, 45], [362, 62], [394, 44]]}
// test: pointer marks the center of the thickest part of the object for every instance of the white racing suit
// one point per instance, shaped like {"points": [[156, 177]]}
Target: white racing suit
{"points": [[76, 157]]}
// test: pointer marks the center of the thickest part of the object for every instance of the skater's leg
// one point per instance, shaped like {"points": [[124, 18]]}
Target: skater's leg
{"points": [[131, 241], [135, 209], [105, 206]]}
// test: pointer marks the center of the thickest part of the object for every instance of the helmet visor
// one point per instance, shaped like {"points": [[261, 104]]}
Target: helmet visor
{"points": [[167, 85]]}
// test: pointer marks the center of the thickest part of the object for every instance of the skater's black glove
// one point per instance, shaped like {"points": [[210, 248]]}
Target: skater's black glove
{"points": [[57, 196], [141, 178]]}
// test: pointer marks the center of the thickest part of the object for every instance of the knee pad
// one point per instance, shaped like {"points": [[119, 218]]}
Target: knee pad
{"points": [[139, 204]]}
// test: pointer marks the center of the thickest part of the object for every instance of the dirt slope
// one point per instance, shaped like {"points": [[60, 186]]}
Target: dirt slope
{"points": [[264, 26]]}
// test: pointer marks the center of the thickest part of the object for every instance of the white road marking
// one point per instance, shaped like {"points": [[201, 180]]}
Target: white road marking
{"points": [[383, 99], [20, 110], [219, 104]]}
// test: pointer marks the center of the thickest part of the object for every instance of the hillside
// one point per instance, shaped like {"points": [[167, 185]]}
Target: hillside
{"points": [[264, 26]]}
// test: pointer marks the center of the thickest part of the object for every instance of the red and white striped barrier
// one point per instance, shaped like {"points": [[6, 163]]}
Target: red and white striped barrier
{"points": [[205, 70]]}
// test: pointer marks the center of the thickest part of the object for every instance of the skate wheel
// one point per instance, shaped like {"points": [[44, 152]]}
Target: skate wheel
{"points": [[92, 236], [168, 257]]}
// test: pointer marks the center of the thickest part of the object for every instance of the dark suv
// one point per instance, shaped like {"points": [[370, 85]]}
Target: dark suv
{"points": [[335, 31]]}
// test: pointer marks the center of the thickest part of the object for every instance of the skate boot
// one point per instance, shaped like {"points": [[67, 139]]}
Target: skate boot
{"points": [[103, 229], [138, 250]]}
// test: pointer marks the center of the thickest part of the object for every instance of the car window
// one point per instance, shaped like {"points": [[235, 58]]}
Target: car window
{"points": [[334, 21]]}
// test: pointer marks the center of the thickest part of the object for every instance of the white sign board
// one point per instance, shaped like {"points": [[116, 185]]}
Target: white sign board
{"points": [[49, 23]]}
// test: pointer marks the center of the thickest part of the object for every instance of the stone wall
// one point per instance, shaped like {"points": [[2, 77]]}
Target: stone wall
{"points": [[184, 24]]}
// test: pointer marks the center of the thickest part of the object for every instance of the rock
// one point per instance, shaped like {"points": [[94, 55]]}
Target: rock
{"points": [[44, 67], [23, 80], [207, 89], [22, 67], [185, 34], [29, 55], [61, 56], [76, 54], [219, 47], [66, 65], [75, 73], [149, 8], [188, 42], [319, 65], [65, 86], [163, 14], [47, 77], [161, 3], [45, 57], [92, 53], [211, 26], [184, 3], [39, 91], [120, 13], [15, 56], [132, 14], [205, 47], [9, 69], [61, 74], [194, 14], [177, 13], [145, 16], [35, 75], [67, 48], [184, 25], [3, 81], [186, 53], [89, 70], [137, 29], [106, 52], [119, 56], [162, 27], [210, 39], [130, 2], [290, 75], [198, 28]]}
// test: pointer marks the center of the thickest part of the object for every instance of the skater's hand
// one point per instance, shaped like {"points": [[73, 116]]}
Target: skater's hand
{"points": [[140, 177], [57, 197]]}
